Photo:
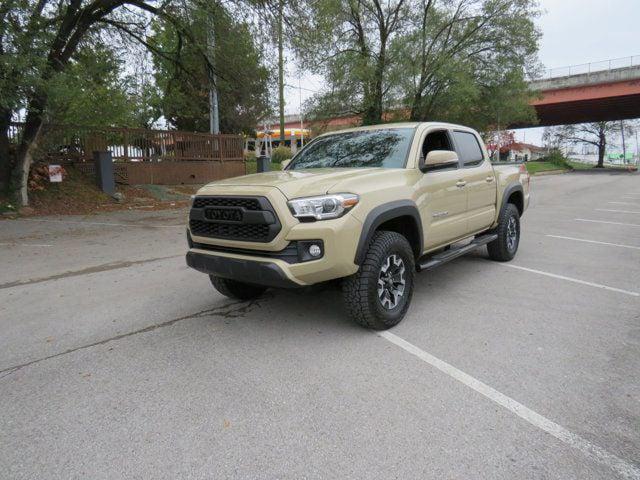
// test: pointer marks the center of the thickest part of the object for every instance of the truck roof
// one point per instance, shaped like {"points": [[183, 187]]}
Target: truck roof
{"points": [[397, 125]]}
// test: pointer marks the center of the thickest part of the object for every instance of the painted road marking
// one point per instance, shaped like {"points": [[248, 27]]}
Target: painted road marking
{"points": [[24, 245], [574, 280], [610, 223], [594, 241], [103, 223], [625, 203], [590, 450], [617, 211]]}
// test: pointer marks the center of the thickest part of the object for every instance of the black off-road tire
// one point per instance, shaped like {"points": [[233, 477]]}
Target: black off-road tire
{"points": [[360, 291], [234, 289], [500, 249]]}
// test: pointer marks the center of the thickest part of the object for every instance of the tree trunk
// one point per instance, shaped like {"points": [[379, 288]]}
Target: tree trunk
{"points": [[28, 144], [415, 114], [6, 161], [602, 144], [373, 103]]}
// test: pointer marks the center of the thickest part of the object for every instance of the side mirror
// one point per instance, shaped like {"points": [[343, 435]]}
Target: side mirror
{"points": [[285, 163], [439, 159]]}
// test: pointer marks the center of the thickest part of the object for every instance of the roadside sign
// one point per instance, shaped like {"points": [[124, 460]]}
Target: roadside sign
{"points": [[55, 173]]}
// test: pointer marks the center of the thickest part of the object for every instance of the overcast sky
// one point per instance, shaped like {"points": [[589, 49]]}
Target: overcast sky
{"points": [[573, 32]]}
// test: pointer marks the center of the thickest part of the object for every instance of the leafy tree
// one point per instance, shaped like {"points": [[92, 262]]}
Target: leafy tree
{"points": [[458, 60], [39, 39], [349, 41], [469, 57], [241, 80], [91, 91]]}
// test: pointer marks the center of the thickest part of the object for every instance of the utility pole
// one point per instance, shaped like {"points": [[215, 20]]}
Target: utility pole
{"points": [[281, 70], [214, 118], [624, 146], [302, 122]]}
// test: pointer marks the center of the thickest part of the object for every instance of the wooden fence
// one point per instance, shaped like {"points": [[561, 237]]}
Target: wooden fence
{"points": [[143, 156]]}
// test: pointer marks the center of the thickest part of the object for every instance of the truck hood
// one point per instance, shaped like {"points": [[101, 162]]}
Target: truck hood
{"points": [[299, 183]]}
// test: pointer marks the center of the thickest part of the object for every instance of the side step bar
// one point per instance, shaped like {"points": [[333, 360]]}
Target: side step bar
{"points": [[438, 259]]}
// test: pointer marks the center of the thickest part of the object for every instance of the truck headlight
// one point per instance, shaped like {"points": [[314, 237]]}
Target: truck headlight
{"points": [[323, 207]]}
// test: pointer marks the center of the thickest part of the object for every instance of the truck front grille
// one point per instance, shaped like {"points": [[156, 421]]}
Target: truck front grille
{"points": [[248, 203], [248, 219]]}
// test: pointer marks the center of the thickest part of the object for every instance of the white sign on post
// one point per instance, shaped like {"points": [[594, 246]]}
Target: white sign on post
{"points": [[55, 173]]}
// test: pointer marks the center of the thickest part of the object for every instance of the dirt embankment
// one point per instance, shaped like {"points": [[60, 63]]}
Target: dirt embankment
{"points": [[78, 194]]}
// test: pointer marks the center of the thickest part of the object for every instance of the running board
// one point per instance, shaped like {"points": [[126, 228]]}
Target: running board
{"points": [[443, 257]]}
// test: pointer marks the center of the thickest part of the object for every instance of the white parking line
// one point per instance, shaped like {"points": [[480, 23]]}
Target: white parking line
{"points": [[574, 280], [24, 245], [590, 450], [594, 241], [616, 211], [625, 203], [102, 223], [603, 221]]}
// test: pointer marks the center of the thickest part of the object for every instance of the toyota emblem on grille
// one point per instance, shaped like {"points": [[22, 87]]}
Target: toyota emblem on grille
{"points": [[223, 214]]}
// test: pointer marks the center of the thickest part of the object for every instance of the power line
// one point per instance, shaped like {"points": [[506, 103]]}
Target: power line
{"points": [[302, 88]]}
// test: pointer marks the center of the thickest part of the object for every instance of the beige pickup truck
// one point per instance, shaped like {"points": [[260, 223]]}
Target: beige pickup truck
{"points": [[370, 206]]}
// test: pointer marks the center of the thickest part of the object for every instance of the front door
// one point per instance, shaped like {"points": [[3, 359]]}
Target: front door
{"points": [[442, 196]]}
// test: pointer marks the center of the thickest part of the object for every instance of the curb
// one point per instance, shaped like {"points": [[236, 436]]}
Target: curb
{"points": [[549, 172]]}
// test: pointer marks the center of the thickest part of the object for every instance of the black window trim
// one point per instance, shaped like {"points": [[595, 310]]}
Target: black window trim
{"points": [[475, 163], [447, 131]]}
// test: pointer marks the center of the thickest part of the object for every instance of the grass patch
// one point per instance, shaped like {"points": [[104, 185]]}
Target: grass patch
{"points": [[535, 167], [588, 166], [251, 166]]}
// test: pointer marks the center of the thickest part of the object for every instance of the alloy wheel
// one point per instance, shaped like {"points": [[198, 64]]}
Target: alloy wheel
{"points": [[391, 281]]}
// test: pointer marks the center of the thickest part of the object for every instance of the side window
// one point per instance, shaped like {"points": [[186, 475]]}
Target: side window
{"points": [[468, 148], [438, 140]]}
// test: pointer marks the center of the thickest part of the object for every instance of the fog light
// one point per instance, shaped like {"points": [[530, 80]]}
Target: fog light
{"points": [[315, 250]]}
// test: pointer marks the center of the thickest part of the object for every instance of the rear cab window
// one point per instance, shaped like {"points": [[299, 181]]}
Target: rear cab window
{"points": [[468, 148]]}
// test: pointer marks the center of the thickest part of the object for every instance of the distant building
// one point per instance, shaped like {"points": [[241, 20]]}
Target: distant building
{"points": [[524, 152]]}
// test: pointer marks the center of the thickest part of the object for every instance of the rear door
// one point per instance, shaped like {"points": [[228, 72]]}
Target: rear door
{"points": [[481, 188]]}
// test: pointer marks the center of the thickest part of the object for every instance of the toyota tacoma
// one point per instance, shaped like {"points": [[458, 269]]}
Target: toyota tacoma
{"points": [[370, 206]]}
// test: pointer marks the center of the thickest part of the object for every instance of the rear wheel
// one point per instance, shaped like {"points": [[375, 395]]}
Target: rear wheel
{"points": [[234, 289], [504, 248], [379, 294]]}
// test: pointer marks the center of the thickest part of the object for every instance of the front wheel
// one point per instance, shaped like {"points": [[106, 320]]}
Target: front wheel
{"points": [[379, 294], [504, 248], [234, 289]]}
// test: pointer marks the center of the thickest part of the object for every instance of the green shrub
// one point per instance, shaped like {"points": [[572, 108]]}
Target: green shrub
{"points": [[557, 158], [280, 154], [250, 156]]}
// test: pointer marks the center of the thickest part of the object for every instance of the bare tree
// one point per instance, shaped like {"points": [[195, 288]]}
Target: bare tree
{"points": [[597, 134]]}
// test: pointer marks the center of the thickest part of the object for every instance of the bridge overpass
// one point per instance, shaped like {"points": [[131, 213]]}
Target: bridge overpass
{"points": [[602, 91], [588, 97]]}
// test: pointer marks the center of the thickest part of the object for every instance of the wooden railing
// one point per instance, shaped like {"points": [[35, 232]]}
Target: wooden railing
{"points": [[76, 144]]}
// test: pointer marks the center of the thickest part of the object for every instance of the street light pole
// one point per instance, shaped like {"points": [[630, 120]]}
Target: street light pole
{"points": [[281, 70], [214, 118]]}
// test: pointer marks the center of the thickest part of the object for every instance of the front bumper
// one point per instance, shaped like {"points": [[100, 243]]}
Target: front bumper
{"points": [[249, 271], [339, 238]]}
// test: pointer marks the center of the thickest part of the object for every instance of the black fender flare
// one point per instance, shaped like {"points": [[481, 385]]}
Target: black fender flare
{"points": [[511, 188], [383, 213]]}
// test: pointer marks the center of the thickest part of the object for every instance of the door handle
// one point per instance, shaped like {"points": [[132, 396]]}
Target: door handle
{"points": [[489, 179], [460, 183]]}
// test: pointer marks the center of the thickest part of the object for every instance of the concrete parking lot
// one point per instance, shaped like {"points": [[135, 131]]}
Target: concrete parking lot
{"points": [[117, 361]]}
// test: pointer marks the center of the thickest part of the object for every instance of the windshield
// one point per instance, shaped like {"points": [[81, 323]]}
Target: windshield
{"points": [[386, 148]]}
